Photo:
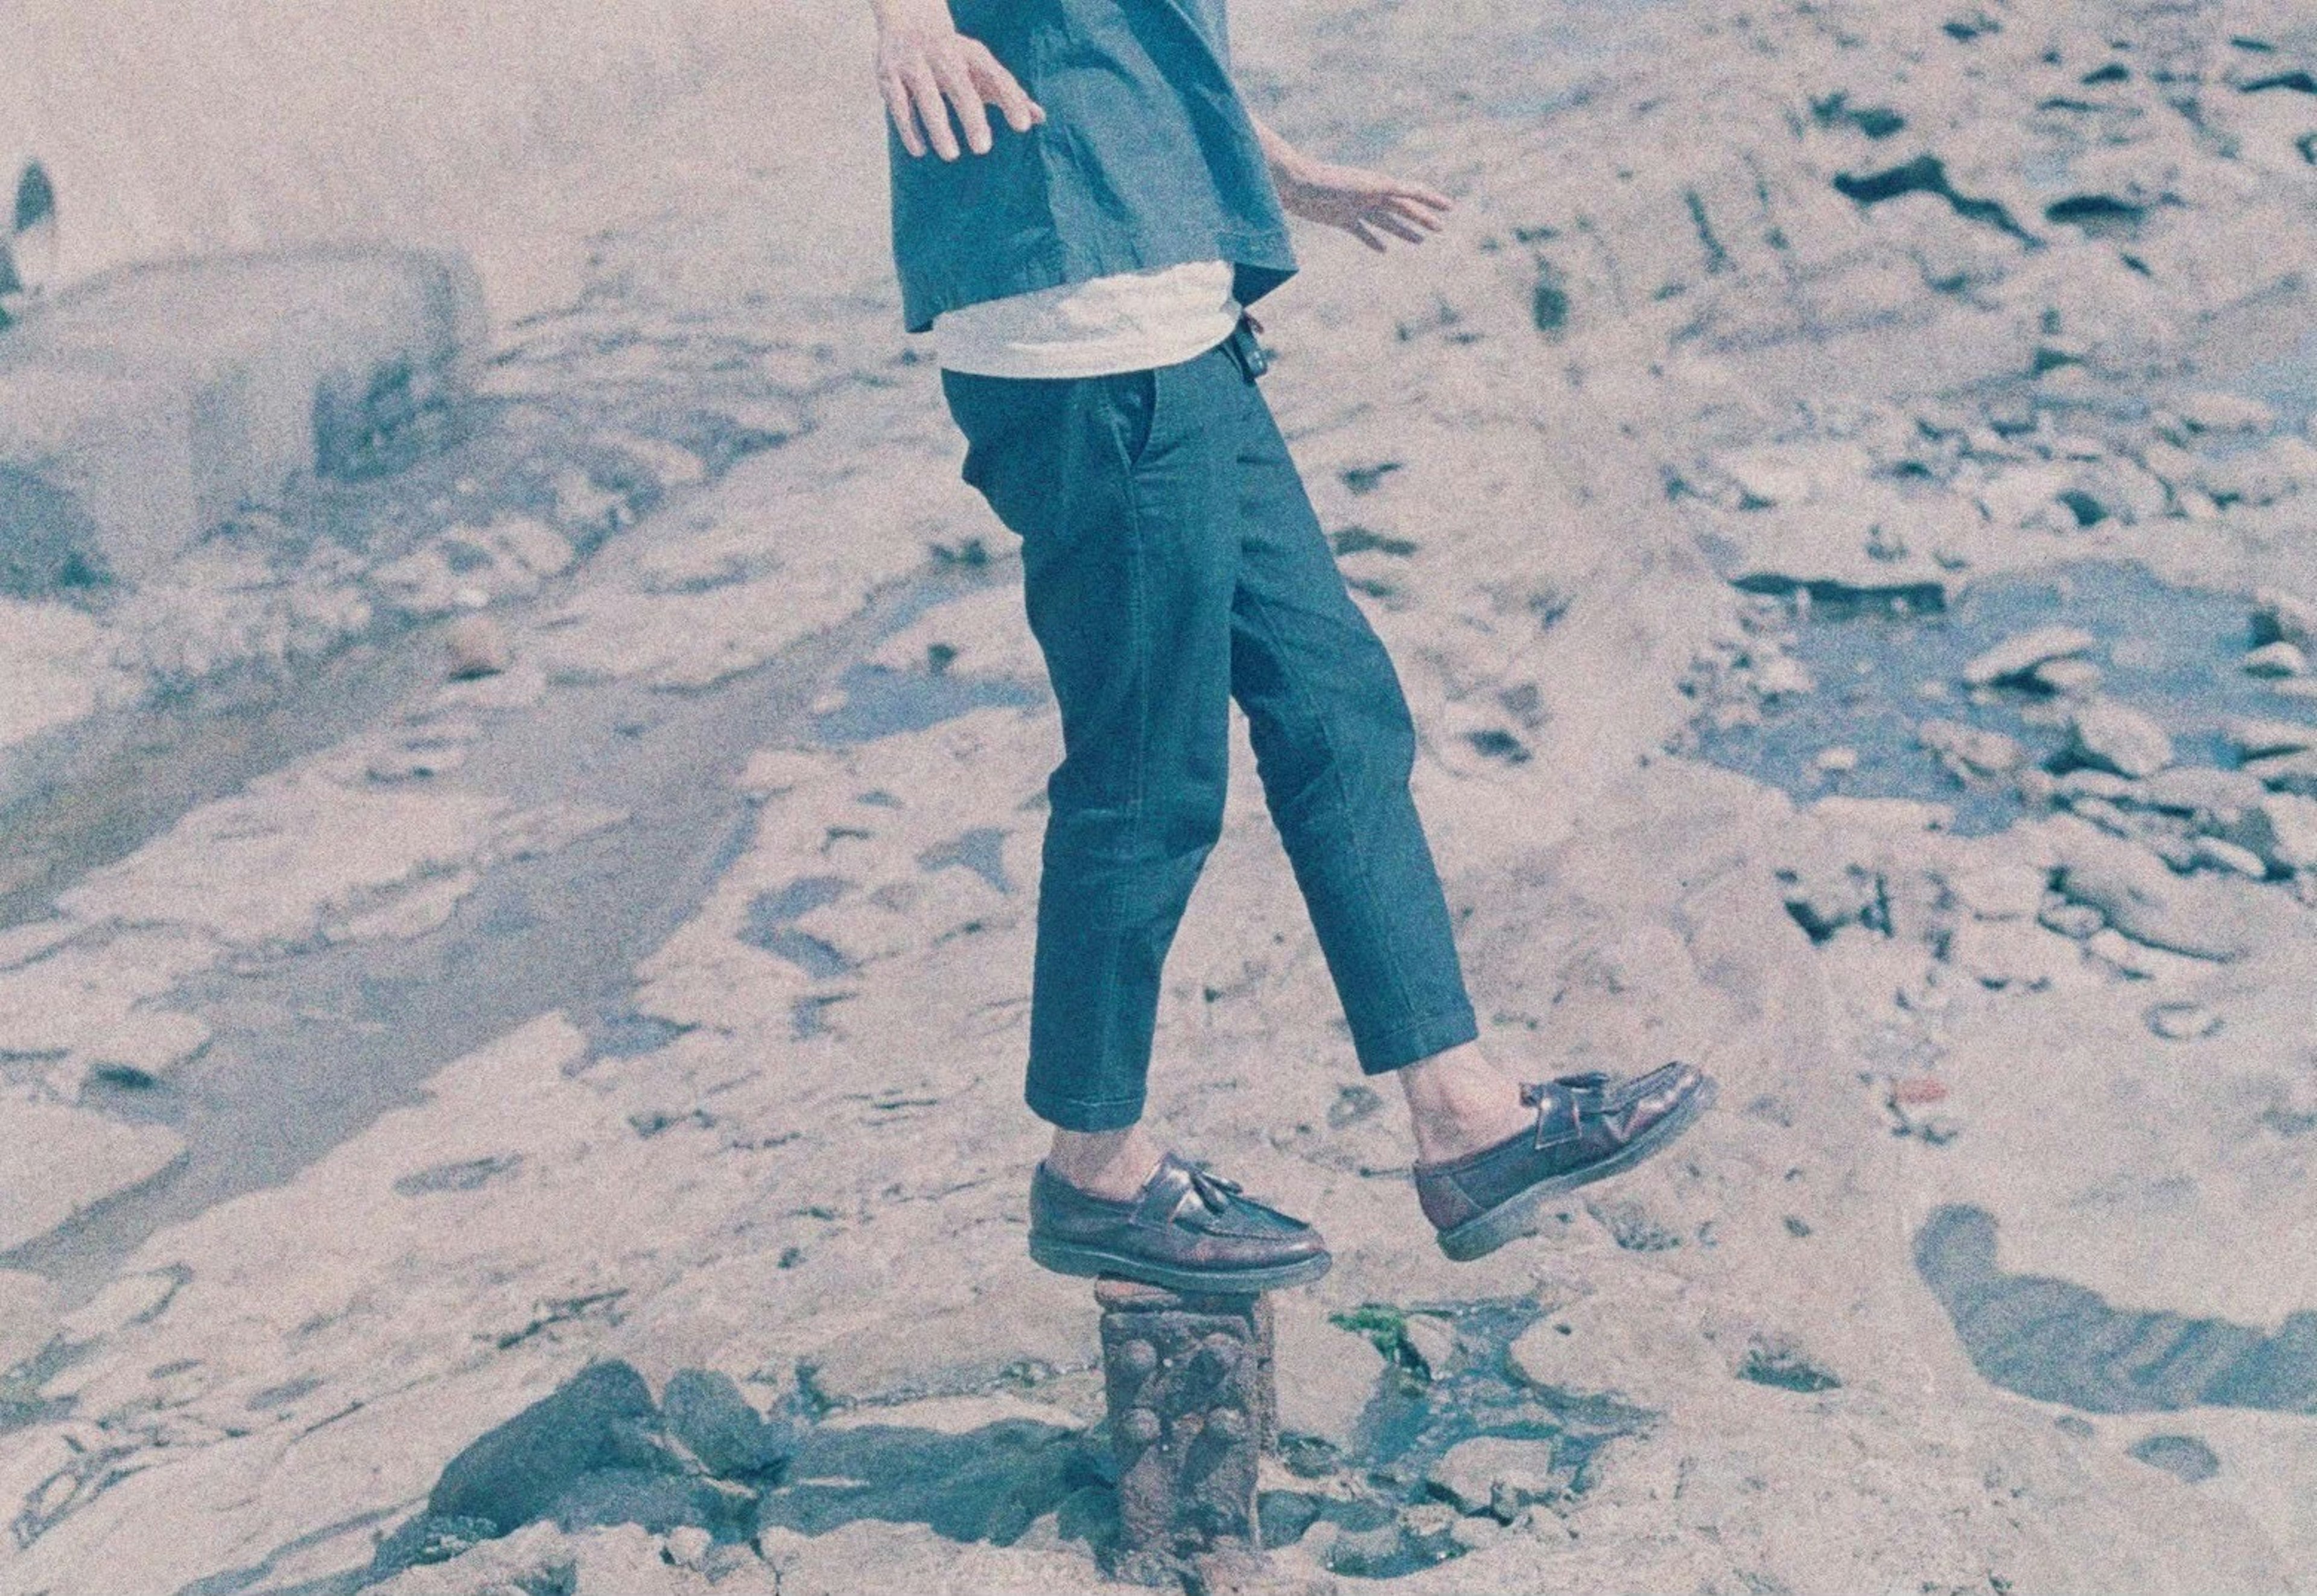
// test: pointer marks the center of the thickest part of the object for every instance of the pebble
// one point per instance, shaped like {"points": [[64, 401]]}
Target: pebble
{"points": [[2214, 853], [2279, 616], [688, 1546], [2016, 657], [1837, 761], [2277, 659], [2109, 736], [1433, 1338], [2253, 739], [1497, 1476], [1972, 750], [2211, 411], [477, 646], [2069, 677]]}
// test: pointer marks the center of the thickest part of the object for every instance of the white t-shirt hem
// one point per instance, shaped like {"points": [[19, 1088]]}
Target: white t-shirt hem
{"points": [[1126, 322]]}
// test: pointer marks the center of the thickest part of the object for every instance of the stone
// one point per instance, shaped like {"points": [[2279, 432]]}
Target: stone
{"points": [[2006, 892], [2202, 917], [688, 1546], [704, 1410], [2109, 736], [2279, 616], [2213, 796], [1433, 1338], [519, 1471], [2213, 411], [2277, 659], [1498, 1475], [2286, 773], [476, 646], [146, 406], [2279, 828], [1837, 761], [2073, 678], [1971, 751], [2015, 657], [2216, 854], [2259, 738], [1190, 1388]]}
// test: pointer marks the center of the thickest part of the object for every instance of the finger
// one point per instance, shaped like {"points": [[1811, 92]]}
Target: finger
{"points": [[1423, 195], [1420, 217], [904, 119], [924, 89], [957, 83], [997, 85], [1358, 229], [1392, 224]]}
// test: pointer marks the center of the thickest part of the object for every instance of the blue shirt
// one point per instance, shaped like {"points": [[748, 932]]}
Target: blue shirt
{"points": [[1146, 159]]}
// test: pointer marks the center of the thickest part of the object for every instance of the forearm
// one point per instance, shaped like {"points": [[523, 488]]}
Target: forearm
{"points": [[1288, 164]]}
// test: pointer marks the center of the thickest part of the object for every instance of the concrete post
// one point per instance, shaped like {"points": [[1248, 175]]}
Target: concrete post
{"points": [[1192, 1406]]}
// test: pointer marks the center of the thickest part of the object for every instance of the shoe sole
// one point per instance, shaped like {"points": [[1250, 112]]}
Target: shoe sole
{"points": [[1071, 1257], [1509, 1220]]}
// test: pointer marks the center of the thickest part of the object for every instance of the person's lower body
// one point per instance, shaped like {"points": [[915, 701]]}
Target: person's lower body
{"points": [[1172, 563]]}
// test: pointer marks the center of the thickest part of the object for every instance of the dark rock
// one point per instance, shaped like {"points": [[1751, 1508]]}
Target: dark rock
{"points": [[2184, 1457], [704, 1411], [517, 1473]]}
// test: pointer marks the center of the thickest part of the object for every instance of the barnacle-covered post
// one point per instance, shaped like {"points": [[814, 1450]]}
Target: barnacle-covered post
{"points": [[1193, 1405]]}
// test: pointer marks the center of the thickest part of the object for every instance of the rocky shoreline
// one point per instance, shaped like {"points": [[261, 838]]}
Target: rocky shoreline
{"points": [[651, 932]]}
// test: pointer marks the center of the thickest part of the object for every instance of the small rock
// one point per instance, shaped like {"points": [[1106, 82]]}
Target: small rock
{"points": [[2286, 773], [2073, 678], [2202, 917], [2000, 892], [2072, 920], [1918, 1090], [2105, 785], [705, 1411], [2280, 829], [2211, 411], [1498, 1475], [2214, 795], [688, 1544], [2016, 657], [2277, 659], [2214, 854], [1969, 751], [2259, 738], [2279, 616], [1781, 676], [2108, 735], [1837, 761], [1433, 1338], [2183, 1022], [477, 646], [2183, 1456]]}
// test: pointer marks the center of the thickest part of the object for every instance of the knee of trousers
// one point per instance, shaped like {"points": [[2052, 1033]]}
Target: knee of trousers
{"points": [[1182, 823]]}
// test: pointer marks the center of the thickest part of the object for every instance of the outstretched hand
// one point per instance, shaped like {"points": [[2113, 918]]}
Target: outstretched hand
{"points": [[1361, 203], [926, 68]]}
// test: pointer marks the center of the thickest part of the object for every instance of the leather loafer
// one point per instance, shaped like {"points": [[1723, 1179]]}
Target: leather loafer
{"points": [[1587, 1127], [1186, 1230]]}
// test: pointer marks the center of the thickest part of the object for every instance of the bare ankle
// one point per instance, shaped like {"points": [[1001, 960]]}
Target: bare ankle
{"points": [[1458, 1103], [1114, 1164]]}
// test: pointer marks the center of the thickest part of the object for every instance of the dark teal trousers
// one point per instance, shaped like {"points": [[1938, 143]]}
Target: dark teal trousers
{"points": [[1171, 562]]}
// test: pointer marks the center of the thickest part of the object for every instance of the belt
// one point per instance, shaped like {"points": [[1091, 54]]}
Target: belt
{"points": [[1247, 348]]}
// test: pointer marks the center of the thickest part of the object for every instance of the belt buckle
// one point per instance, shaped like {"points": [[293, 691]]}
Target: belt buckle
{"points": [[1251, 356]]}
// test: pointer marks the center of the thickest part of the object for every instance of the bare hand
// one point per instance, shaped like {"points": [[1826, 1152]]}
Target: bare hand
{"points": [[924, 61], [1362, 202]]}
